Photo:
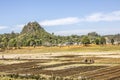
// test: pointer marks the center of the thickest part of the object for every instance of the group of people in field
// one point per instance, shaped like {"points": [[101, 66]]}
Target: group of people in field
{"points": [[89, 61]]}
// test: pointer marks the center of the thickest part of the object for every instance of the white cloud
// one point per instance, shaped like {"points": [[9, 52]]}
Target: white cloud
{"points": [[62, 21], [3, 27], [95, 17], [113, 16]]}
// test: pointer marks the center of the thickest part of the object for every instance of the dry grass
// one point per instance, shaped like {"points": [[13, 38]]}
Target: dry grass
{"points": [[8, 78], [5, 62], [90, 48]]}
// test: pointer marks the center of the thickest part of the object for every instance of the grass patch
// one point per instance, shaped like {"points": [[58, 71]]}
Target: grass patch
{"points": [[90, 48], [9, 78]]}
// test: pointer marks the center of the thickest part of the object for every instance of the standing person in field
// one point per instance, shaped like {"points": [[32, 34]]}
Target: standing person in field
{"points": [[2, 56]]}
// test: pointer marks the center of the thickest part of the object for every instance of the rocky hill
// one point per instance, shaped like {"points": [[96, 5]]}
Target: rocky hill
{"points": [[32, 27], [33, 33]]}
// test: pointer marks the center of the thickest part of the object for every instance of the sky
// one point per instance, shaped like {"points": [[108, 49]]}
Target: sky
{"points": [[62, 17]]}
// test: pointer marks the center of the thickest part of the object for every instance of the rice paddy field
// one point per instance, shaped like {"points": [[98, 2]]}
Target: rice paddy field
{"points": [[64, 63]]}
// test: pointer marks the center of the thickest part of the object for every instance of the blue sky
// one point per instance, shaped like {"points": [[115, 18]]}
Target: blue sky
{"points": [[63, 17]]}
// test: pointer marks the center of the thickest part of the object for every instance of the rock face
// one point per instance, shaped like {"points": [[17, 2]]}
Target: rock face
{"points": [[34, 30], [32, 27], [33, 33]]}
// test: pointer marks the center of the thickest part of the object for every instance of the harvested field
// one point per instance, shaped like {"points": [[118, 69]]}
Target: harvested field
{"points": [[32, 67], [63, 72], [108, 73], [63, 65]]}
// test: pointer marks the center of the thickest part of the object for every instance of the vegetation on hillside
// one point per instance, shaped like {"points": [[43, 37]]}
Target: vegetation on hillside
{"points": [[34, 35]]}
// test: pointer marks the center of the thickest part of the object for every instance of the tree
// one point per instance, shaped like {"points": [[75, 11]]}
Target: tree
{"points": [[19, 43], [12, 43], [102, 40], [5, 41], [1, 45], [38, 42], [97, 41], [32, 42], [85, 40], [112, 41], [13, 35]]}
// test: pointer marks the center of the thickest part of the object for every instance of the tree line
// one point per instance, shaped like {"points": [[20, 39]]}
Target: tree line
{"points": [[17, 40]]}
